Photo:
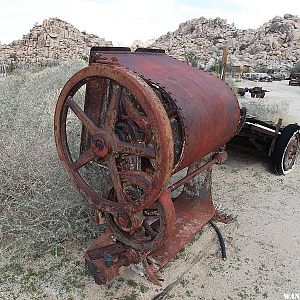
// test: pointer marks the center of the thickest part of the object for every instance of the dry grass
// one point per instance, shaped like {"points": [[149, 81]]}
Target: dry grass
{"points": [[39, 207], [266, 110]]}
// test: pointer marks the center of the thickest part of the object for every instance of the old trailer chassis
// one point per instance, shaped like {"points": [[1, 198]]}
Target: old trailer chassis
{"points": [[281, 144]]}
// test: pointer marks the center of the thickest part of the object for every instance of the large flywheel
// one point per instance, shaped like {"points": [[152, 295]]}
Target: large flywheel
{"points": [[131, 139]]}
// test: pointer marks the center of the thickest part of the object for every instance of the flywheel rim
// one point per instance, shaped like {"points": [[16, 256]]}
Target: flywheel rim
{"points": [[157, 115]]}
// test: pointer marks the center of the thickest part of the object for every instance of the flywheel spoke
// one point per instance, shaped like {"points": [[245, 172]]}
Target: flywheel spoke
{"points": [[115, 93], [134, 149], [84, 119], [113, 170], [83, 159], [131, 111], [149, 229]]}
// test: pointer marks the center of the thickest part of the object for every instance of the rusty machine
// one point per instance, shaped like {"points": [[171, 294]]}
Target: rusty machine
{"points": [[143, 117], [255, 92]]}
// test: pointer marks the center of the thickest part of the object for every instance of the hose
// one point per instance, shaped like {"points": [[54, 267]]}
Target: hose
{"points": [[221, 240]]}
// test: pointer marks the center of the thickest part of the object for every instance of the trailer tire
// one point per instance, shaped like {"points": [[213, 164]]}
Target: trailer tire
{"points": [[262, 95], [286, 149]]}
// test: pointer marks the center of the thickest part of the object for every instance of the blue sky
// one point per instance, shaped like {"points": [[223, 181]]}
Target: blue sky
{"points": [[123, 21]]}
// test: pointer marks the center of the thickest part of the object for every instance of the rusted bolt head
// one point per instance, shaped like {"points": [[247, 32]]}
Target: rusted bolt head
{"points": [[99, 146], [123, 220], [108, 259]]}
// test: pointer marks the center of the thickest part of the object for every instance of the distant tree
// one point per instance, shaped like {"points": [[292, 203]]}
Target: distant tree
{"points": [[215, 68], [243, 47], [261, 69], [192, 28], [85, 58], [295, 69], [191, 58], [215, 41], [14, 57]]}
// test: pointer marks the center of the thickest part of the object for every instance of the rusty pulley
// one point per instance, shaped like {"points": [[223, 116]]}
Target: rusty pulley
{"points": [[142, 117]]}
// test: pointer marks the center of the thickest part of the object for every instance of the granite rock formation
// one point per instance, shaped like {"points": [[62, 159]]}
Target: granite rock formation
{"points": [[52, 41], [274, 45]]}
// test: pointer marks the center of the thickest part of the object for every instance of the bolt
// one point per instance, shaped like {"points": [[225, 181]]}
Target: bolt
{"points": [[100, 145], [123, 220], [108, 260]]}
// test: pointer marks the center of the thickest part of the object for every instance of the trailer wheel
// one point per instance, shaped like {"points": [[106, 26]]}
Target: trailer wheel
{"points": [[262, 94], [286, 149]]}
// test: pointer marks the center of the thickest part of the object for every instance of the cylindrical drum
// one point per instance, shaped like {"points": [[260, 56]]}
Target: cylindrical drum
{"points": [[203, 110], [144, 116]]}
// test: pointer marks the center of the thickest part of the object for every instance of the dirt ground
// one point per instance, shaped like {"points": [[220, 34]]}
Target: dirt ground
{"points": [[263, 243]]}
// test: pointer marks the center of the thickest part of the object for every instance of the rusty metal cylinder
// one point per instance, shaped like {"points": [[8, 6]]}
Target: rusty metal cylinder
{"points": [[145, 116], [203, 110]]}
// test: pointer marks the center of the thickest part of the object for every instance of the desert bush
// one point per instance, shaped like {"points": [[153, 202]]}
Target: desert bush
{"points": [[39, 207], [295, 69], [243, 47], [266, 110], [191, 58], [192, 28]]}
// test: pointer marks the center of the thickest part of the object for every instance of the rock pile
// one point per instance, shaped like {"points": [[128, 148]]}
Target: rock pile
{"points": [[274, 45], [52, 41], [140, 44]]}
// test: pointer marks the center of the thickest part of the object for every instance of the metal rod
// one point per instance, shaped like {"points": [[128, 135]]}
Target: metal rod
{"points": [[277, 128], [224, 62], [217, 158]]}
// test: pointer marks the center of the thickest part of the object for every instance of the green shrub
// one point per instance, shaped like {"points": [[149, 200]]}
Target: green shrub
{"points": [[191, 58], [243, 47]]}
